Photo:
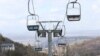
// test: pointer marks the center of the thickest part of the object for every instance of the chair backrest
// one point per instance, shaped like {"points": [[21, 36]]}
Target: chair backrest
{"points": [[32, 22]]}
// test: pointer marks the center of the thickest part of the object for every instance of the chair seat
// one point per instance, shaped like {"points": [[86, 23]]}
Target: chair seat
{"points": [[33, 27], [73, 17], [61, 44], [38, 49]]}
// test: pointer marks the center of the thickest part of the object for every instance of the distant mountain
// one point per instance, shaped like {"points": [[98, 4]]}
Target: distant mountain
{"points": [[68, 39], [92, 33]]}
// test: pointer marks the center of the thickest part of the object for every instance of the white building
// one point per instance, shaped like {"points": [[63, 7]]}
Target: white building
{"points": [[7, 46]]}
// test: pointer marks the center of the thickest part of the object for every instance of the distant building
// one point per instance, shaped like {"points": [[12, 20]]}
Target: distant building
{"points": [[7, 46]]}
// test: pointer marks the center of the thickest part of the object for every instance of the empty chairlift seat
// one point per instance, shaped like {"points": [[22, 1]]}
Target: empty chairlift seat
{"points": [[33, 27], [62, 41], [38, 46], [38, 49], [73, 17], [62, 44], [73, 11], [32, 23]]}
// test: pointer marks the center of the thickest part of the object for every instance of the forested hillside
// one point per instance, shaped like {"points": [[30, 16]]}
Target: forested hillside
{"points": [[86, 48], [20, 49]]}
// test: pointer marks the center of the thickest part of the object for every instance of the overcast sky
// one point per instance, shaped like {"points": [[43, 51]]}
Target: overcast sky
{"points": [[13, 15]]}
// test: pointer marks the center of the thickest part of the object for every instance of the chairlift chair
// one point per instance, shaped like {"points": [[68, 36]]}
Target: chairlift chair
{"points": [[32, 22], [62, 46], [38, 46], [62, 41], [73, 7]]}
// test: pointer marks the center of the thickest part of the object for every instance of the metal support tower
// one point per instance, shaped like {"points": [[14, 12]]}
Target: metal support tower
{"points": [[50, 33], [49, 43]]}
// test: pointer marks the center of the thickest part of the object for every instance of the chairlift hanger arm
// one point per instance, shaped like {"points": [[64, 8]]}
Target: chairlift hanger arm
{"points": [[74, 1], [29, 7]]}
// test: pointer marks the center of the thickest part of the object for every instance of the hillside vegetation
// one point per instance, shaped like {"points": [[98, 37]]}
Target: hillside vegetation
{"points": [[20, 49], [87, 48]]}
